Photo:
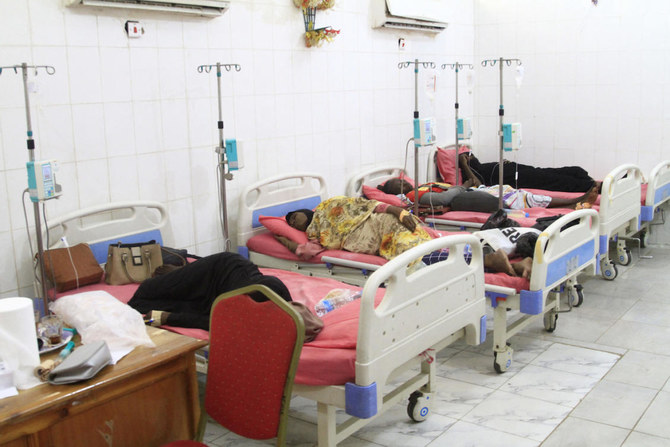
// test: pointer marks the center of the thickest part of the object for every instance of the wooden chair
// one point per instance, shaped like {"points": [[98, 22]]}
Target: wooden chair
{"points": [[254, 350]]}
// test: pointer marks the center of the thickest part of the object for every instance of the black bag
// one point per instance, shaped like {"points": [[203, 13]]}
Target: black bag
{"points": [[542, 223], [499, 219], [174, 256]]}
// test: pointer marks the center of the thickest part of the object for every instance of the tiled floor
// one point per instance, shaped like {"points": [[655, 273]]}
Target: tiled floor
{"points": [[602, 378]]}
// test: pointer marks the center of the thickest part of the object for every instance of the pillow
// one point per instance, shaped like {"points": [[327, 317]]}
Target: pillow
{"points": [[446, 164], [279, 226], [71, 267], [373, 193]]}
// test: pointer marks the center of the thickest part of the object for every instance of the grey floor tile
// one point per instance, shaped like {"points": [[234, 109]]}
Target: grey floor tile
{"points": [[574, 432], [636, 439], [642, 369], [607, 401], [655, 419]]}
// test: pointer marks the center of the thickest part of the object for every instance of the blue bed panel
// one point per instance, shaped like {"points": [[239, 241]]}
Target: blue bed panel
{"points": [[570, 262], [243, 250], [531, 302], [99, 249], [482, 329], [646, 213], [604, 245], [280, 210], [360, 401]]}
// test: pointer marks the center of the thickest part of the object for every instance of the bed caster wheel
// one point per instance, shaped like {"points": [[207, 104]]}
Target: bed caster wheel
{"points": [[576, 296], [418, 408], [644, 238], [624, 256], [608, 270], [502, 360], [550, 319]]}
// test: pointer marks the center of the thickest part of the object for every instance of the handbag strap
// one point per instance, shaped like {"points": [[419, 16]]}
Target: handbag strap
{"points": [[124, 260], [174, 253]]}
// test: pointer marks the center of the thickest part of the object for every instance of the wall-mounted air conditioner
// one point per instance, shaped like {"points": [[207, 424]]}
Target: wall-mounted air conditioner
{"points": [[419, 15], [206, 8]]}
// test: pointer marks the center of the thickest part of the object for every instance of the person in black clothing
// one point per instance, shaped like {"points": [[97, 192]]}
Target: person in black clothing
{"points": [[183, 297], [567, 178]]}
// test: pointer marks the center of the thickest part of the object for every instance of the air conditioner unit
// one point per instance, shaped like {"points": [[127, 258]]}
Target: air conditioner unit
{"points": [[206, 8], [419, 15]]}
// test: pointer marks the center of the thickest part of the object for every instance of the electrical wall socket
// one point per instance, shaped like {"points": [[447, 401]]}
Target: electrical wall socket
{"points": [[134, 28]]}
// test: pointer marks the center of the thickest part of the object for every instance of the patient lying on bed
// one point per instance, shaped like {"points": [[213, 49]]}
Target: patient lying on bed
{"points": [[483, 198], [367, 226], [355, 224], [567, 178], [184, 297]]}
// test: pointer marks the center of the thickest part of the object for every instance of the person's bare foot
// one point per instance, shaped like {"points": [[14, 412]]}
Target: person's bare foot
{"points": [[524, 267], [588, 199], [499, 262]]}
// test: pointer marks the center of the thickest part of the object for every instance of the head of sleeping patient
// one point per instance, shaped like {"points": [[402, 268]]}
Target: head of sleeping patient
{"points": [[300, 219], [396, 186]]}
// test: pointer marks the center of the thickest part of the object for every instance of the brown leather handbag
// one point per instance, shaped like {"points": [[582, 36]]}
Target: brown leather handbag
{"points": [[69, 268]]}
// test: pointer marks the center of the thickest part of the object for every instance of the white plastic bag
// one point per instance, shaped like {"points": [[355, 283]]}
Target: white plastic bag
{"points": [[98, 316]]}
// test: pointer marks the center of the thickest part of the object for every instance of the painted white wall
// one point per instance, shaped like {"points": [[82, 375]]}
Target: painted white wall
{"points": [[596, 87], [133, 118]]}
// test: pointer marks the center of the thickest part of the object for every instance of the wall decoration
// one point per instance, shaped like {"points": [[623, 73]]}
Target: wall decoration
{"points": [[315, 37]]}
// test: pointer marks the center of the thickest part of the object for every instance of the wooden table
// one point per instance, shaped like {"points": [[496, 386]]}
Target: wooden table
{"points": [[150, 397]]}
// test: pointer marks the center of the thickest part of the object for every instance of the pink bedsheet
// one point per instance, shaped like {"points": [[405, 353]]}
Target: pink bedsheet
{"points": [[518, 215], [266, 244], [328, 360]]}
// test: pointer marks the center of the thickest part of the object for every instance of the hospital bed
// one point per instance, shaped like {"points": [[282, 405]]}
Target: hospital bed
{"points": [[261, 212], [619, 209], [372, 352], [569, 247], [656, 194]]}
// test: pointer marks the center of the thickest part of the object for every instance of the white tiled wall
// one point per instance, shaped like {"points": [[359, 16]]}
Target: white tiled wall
{"points": [[134, 119], [595, 84]]}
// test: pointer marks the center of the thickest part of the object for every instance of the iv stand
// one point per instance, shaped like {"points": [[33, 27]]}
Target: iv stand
{"points": [[417, 144], [221, 150], [501, 114], [456, 67], [30, 142]]}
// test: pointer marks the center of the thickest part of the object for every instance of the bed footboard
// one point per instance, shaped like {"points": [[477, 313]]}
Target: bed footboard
{"points": [[620, 213], [422, 310], [567, 248]]}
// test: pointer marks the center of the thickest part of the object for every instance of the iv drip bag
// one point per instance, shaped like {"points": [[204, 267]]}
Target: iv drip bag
{"points": [[518, 76], [470, 81], [431, 86]]}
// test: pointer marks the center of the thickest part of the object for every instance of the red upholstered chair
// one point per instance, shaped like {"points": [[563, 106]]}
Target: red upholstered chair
{"points": [[253, 355]]}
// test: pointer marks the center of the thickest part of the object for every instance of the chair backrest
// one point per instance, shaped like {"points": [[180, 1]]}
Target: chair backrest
{"points": [[253, 355]]}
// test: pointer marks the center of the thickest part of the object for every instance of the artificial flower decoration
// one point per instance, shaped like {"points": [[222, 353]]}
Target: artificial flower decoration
{"points": [[315, 37]]}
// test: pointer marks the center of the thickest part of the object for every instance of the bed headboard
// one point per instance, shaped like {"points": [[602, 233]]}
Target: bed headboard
{"points": [[371, 177], [276, 196], [106, 224]]}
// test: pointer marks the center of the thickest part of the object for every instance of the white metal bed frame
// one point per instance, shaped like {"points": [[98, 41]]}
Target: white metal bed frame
{"points": [[561, 254], [425, 310], [619, 212]]}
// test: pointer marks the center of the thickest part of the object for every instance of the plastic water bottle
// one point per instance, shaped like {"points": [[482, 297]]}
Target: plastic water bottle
{"points": [[335, 299]]}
